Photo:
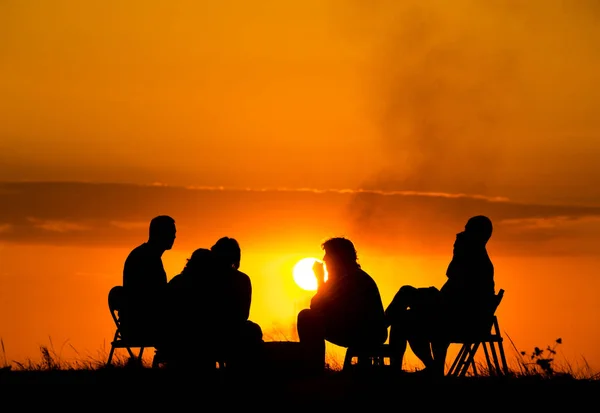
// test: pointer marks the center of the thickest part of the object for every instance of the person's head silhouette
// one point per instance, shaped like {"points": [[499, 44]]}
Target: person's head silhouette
{"points": [[340, 256], [479, 229], [227, 252], [162, 232], [201, 261]]}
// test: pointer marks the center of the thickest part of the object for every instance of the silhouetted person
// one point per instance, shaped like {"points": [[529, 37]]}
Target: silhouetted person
{"points": [[189, 310], [425, 318], [346, 310], [238, 339], [145, 281]]}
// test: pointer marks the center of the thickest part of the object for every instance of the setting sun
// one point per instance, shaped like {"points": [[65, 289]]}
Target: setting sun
{"points": [[304, 275]]}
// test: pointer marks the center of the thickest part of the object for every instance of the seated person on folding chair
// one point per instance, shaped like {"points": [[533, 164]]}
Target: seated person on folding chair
{"points": [[144, 284], [427, 318], [237, 339], [346, 310]]}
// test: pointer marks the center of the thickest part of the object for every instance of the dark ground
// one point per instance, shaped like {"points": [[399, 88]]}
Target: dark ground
{"points": [[135, 388]]}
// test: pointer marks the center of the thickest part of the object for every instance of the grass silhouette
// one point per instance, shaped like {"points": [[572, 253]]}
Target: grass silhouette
{"points": [[539, 363], [537, 379], [5, 365]]}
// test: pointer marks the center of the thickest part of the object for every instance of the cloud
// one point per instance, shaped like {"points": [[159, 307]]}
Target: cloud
{"points": [[556, 232], [128, 225], [354, 191], [414, 224], [57, 225], [402, 222]]}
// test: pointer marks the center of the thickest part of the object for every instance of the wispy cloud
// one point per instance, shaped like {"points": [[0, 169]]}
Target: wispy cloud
{"points": [[128, 225], [407, 221], [57, 225], [548, 222], [353, 192]]}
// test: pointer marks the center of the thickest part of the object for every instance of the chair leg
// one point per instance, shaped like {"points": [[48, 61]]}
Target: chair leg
{"points": [[474, 368], [133, 358], [131, 355], [110, 355], [487, 356], [348, 358], [500, 346], [466, 362], [459, 361], [455, 362], [503, 357], [112, 347], [470, 362], [495, 357]]}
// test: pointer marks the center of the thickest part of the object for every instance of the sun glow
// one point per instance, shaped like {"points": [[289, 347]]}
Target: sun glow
{"points": [[304, 275]]}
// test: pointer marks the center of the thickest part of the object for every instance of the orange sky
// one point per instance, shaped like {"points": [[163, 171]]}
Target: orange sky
{"points": [[282, 123]]}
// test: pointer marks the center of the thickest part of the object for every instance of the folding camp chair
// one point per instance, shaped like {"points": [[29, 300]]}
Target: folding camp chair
{"points": [[115, 304], [492, 342], [465, 359]]}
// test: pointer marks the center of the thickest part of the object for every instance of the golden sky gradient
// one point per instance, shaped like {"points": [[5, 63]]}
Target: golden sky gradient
{"points": [[283, 123]]}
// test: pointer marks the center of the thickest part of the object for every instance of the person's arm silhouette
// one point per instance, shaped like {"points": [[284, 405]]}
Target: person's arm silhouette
{"points": [[319, 271]]}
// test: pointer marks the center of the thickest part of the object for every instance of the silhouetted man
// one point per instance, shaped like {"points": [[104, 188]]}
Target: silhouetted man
{"points": [[238, 338], [346, 310], [145, 281], [426, 317]]}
